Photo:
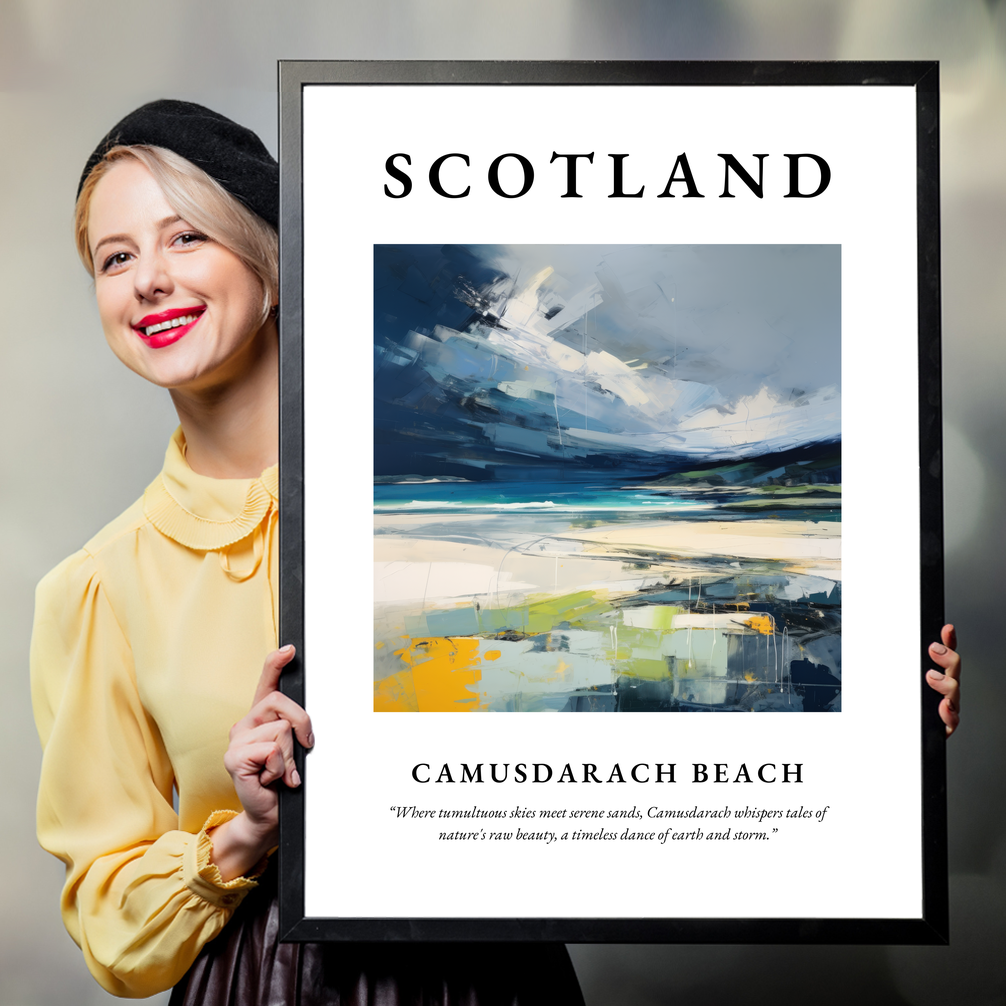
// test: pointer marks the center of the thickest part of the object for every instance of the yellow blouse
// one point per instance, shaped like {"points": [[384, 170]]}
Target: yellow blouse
{"points": [[147, 647]]}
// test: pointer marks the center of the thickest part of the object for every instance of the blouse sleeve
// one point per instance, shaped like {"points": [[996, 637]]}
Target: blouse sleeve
{"points": [[141, 898]]}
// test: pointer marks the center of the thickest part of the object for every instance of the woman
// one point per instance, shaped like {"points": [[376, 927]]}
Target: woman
{"points": [[149, 642]]}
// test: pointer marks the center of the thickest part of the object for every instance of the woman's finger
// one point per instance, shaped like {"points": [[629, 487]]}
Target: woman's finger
{"points": [[949, 636], [273, 766], [947, 681], [271, 671], [948, 659], [278, 732], [277, 706], [950, 716], [950, 689], [260, 760], [945, 685]]}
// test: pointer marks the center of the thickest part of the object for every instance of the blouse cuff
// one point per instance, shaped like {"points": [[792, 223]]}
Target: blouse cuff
{"points": [[202, 876]]}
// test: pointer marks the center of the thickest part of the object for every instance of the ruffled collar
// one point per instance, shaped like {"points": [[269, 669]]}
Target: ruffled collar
{"points": [[203, 513]]}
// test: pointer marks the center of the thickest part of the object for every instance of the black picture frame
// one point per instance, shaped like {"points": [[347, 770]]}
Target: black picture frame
{"points": [[932, 925]]}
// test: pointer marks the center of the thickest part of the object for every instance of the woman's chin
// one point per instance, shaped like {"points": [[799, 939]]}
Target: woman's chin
{"points": [[173, 374], [196, 365]]}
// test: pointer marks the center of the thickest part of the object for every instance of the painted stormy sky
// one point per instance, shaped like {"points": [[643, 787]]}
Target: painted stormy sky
{"points": [[545, 361]]}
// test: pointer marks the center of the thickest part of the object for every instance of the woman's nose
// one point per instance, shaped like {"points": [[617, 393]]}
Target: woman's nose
{"points": [[152, 277]]}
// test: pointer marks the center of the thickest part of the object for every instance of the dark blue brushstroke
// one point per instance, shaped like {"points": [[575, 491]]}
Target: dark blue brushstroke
{"points": [[438, 408]]}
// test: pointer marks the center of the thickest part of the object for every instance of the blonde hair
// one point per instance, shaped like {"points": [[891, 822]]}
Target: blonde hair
{"points": [[199, 200]]}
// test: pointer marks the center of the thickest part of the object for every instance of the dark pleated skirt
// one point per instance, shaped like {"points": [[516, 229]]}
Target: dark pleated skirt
{"points": [[246, 965]]}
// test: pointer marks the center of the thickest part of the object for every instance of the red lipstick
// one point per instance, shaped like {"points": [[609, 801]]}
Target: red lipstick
{"points": [[166, 327]]}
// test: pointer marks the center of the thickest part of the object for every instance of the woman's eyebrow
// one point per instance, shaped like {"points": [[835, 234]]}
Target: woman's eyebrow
{"points": [[109, 240], [160, 225]]}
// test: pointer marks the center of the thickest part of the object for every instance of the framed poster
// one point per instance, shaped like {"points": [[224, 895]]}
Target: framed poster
{"points": [[612, 389]]}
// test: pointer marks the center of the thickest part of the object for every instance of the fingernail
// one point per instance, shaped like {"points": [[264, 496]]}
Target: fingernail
{"points": [[295, 777], [287, 649], [936, 675], [310, 740], [938, 648]]}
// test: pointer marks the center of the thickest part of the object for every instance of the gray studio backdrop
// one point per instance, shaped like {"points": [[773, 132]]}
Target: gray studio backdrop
{"points": [[82, 437]]}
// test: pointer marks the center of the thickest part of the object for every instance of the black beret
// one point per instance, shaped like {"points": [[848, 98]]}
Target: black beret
{"points": [[231, 154]]}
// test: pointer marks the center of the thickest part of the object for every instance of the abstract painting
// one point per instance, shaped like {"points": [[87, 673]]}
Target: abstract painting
{"points": [[607, 478]]}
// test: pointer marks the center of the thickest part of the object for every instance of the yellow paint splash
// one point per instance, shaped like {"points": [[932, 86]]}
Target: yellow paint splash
{"points": [[442, 669], [493, 654], [396, 694], [761, 623]]}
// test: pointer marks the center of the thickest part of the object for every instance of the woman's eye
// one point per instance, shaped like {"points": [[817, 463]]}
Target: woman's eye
{"points": [[190, 238], [114, 261]]}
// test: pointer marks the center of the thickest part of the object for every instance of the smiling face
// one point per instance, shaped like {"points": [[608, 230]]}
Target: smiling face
{"points": [[177, 307]]}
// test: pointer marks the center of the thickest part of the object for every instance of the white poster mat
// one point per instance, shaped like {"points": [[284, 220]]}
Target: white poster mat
{"points": [[860, 767]]}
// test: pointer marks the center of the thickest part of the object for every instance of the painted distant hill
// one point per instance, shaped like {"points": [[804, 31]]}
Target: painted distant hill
{"points": [[812, 464]]}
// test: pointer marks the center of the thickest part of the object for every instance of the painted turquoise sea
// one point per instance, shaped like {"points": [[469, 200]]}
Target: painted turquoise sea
{"points": [[589, 500]]}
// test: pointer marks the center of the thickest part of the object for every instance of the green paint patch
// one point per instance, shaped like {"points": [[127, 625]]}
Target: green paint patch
{"points": [[539, 614], [773, 502], [805, 490], [646, 669], [651, 616]]}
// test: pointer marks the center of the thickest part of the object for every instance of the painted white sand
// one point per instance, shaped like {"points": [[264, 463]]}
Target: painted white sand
{"points": [[408, 568], [807, 546]]}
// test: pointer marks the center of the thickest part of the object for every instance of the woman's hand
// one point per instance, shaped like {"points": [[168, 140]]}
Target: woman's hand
{"points": [[947, 682], [260, 753]]}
